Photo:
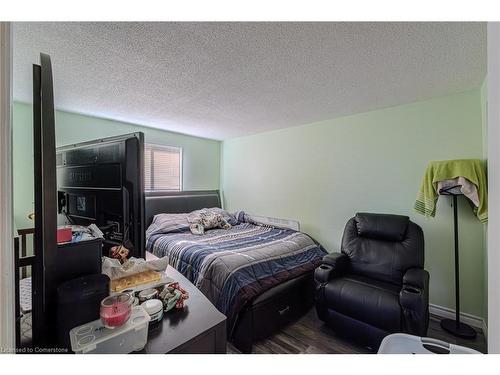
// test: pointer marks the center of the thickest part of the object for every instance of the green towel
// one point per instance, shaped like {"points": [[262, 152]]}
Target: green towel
{"points": [[471, 169]]}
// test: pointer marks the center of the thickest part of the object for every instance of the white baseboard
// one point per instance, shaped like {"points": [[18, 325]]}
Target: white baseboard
{"points": [[472, 320]]}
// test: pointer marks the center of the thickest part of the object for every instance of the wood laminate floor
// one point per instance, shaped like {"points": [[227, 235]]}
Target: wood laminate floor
{"points": [[309, 335]]}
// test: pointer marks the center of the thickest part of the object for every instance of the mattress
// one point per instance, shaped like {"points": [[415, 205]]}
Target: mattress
{"points": [[233, 266]]}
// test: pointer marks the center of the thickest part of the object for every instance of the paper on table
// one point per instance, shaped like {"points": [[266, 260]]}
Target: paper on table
{"points": [[114, 269]]}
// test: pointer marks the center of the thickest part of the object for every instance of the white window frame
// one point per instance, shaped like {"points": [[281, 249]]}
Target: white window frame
{"points": [[181, 164]]}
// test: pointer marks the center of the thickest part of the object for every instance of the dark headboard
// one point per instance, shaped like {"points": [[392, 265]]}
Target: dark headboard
{"points": [[178, 202]]}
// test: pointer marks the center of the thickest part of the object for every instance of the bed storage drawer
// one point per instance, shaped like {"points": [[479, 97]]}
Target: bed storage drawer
{"points": [[273, 310], [280, 305]]}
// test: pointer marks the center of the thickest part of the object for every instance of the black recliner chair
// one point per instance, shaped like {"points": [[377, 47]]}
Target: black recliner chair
{"points": [[377, 284]]}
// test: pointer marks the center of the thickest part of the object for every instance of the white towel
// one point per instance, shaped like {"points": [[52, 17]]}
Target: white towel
{"points": [[464, 186]]}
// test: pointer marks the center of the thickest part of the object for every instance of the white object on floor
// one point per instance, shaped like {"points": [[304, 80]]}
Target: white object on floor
{"points": [[94, 338], [25, 295], [402, 343], [463, 186]]}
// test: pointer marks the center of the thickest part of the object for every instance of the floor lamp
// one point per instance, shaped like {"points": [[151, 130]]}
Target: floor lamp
{"points": [[455, 326]]}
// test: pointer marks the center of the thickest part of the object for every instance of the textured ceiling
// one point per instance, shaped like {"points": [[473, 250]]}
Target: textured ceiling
{"points": [[222, 80]]}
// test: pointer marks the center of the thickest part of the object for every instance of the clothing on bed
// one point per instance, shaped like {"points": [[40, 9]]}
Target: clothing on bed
{"points": [[205, 219], [171, 223], [233, 266]]}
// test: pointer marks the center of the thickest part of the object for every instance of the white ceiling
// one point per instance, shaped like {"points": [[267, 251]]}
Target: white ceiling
{"points": [[222, 80]]}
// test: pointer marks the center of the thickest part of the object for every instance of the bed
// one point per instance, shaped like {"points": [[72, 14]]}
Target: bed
{"points": [[259, 276]]}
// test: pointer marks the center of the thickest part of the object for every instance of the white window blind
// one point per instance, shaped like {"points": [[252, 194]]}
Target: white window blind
{"points": [[163, 167]]}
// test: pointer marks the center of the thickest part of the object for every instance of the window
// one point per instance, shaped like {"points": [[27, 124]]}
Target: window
{"points": [[162, 167]]}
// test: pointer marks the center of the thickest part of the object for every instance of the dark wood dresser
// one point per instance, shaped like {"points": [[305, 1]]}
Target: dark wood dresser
{"points": [[199, 328]]}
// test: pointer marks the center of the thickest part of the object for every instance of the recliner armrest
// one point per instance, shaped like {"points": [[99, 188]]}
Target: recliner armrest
{"points": [[339, 261], [414, 300], [416, 278], [334, 264]]}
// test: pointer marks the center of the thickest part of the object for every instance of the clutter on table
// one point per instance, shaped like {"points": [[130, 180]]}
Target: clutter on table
{"points": [[78, 233], [139, 282], [117, 312], [131, 281], [120, 252], [135, 274], [154, 300], [140, 295], [123, 326], [158, 300], [114, 269], [173, 295], [143, 281]]}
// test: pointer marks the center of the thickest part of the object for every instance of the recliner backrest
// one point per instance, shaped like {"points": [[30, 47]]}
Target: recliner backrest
{"points": [[383, 246]]}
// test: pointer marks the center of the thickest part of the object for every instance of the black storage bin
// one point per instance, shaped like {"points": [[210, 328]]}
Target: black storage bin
{"points": [[78, 302], [78, 259], [70, 261]]}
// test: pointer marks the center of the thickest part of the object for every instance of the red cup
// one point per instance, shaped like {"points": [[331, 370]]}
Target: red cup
{"points": [[64, 234], [116, 310]]}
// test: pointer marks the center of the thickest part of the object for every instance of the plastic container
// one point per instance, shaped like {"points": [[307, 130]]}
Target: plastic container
{"points": [[402, 343], [147, 294], [94, 338], [154, 307]]}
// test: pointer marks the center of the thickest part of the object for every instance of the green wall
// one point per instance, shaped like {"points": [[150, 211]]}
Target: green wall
{"points": [[201, 157], [322, 174]]}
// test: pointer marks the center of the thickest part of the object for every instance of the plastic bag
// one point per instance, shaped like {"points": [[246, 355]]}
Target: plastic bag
{"points": [[114, 269]]}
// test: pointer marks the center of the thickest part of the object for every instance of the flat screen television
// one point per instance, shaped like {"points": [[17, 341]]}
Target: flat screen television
{"points": [[101, 182]]}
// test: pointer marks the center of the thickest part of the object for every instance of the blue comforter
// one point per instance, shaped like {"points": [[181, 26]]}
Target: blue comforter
{"points": [[233, 266]]}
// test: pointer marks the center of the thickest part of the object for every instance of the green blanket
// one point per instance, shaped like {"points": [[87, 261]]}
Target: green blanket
{"points": [[471, 169]]}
